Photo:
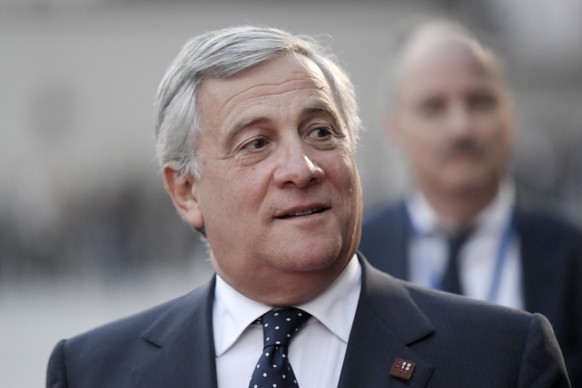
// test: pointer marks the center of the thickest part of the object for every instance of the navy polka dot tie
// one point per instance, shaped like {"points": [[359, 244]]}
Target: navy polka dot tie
{"points": [[273, 369]]}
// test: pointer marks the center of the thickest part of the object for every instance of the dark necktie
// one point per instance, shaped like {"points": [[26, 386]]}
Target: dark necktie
{"points": [[273, 368], [451, 281]]}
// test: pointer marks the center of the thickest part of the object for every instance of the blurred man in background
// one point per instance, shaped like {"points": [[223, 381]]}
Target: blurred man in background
{"points": [[461, 228]]}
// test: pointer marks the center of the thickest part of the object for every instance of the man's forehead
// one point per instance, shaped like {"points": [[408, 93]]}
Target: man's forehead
{"points": [[272, 76], [445, 53], [431, 62], [227, 103]]}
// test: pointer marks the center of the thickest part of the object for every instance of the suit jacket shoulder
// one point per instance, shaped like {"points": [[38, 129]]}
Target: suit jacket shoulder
{"points": [[452, 340], [168, 345]]}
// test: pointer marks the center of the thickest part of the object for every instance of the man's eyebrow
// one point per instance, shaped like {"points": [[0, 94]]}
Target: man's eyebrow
{"points": [[234, 131], [322, 109]]}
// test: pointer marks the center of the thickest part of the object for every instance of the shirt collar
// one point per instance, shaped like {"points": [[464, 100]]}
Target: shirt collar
{"points": [[232, 314], [426, 221], [335, 308], [422, 216], [494, 216]]}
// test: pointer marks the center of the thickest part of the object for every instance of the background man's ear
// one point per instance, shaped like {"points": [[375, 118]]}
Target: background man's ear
{"points": [[183, 191]]}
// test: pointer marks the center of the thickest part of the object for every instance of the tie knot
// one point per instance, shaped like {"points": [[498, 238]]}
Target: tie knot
{"points": [[458, 239], [279, 326]]}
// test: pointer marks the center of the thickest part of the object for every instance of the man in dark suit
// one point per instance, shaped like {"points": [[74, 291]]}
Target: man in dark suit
{"points": [[256, 135], [451, 116]]}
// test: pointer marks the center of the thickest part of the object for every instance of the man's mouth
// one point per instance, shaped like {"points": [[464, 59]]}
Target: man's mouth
{"points": [[465, 149], [301, 213]]}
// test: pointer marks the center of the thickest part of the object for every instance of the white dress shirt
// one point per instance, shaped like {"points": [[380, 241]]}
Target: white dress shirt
{"points": [[493, 242], [316, 353]]}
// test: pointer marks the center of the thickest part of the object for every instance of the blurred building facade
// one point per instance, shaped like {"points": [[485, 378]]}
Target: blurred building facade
{"points": [[81, 194]]}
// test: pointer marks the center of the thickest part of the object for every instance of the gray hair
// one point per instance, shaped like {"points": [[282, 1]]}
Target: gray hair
{"points": [[222, 54]]}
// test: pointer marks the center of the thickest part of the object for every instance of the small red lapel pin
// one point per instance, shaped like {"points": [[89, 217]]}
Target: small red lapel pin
{"points": [[402, 369]]}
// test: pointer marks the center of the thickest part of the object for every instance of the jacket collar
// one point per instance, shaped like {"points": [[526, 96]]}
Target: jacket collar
{"points": [[181, 350]]}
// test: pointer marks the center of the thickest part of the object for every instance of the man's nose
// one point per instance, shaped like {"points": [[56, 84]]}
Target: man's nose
{"points": [[296, 166], [460, 120]]}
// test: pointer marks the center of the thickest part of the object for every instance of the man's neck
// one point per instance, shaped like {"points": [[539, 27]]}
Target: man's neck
{"points": [[462, 206]]}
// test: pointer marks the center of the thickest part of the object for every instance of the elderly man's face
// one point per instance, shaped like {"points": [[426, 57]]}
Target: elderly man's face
{"points": [[453, 119], [279, 194]]}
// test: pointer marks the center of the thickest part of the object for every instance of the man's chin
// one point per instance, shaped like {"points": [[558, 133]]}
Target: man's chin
{"points": [[467, 180], [313, 258]]}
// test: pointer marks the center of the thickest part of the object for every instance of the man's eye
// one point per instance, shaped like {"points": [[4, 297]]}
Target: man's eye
{"points": [[482, 101], [256, 144], [432, 107], [321, 132]]}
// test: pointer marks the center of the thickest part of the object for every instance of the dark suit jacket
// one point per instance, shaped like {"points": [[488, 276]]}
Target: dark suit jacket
{"points": [[551, 251], [455, 342]]}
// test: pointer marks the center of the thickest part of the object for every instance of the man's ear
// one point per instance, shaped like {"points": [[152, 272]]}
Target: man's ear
{"points": [[184, 193]]}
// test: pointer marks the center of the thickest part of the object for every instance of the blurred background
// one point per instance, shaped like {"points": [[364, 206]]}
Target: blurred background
{"points": [[87, 233]]}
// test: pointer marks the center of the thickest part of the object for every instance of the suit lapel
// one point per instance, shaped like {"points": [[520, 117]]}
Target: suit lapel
{"points": [[402, 229], [385, 240], [387, 323], [182, 347], [529, 238]]}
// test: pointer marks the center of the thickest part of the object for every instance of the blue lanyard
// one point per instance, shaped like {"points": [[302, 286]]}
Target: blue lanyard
{"points": [[502, 252], [500, 260]]}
